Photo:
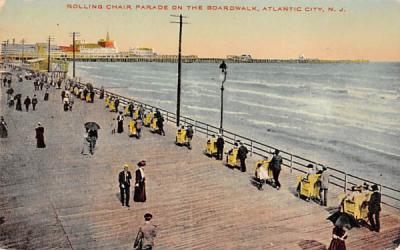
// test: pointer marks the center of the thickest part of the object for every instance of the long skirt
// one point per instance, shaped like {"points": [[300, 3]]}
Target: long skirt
{"points": [[3, 132], [85, 147], [337, 244], [18, 106], [120, 128], [40, 142], [140, 192]]}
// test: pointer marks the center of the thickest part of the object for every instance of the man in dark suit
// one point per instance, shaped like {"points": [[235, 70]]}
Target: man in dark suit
{"points": [[374, 208], [125, 185], [220, 147], [242, 155], [276, 168]]}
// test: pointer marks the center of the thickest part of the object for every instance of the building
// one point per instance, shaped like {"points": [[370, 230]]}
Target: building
{"points": [[103, 47], [142, 51], [241, 58], [16, 51]]}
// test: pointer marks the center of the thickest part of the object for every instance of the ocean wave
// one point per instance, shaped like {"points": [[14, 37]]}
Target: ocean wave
{"points": [[86, 67], [202, 108], [327, 120], [365, 146]]}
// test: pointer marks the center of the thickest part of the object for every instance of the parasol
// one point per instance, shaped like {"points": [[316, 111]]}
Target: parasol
{"points": [[341, 219], [92, 126]]}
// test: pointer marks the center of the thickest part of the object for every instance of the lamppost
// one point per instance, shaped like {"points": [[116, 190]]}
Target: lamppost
{"points": [[224, 72]]}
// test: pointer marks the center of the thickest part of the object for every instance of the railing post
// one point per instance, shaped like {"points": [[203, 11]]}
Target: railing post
{"points": [[291, 163], [251, 148], [207, 132], [345, 183], [195, 126], [167, 116]]}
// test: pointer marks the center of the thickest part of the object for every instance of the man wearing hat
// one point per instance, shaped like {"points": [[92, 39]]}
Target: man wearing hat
{"points": [[189, 135], [140, 187], [276, 168], [220, 147], [146, 234], [242, 155], [374, 207], [125, 185]]}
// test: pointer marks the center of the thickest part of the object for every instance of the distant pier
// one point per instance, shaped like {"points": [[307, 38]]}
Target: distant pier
{"points": [[170, 59]]}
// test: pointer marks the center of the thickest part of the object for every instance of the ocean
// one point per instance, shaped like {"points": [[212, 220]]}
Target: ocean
{"points": [[343, 115]]}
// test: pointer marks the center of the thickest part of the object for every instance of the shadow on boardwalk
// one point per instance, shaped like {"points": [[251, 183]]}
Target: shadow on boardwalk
{"points": [[57, 198]]}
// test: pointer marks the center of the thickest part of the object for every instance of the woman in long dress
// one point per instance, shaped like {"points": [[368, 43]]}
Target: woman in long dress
{"points": [[86, 145], [3, 128], [120, 120], [40, 136], [140, 187]]}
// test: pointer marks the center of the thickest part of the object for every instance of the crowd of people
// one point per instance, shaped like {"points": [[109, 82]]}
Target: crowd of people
{"points": [[138, 118]]}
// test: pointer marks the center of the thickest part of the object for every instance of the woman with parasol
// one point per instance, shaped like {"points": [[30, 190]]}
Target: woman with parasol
{"points": [[91, 129]]}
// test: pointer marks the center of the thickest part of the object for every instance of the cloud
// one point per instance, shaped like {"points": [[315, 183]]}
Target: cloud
{"points": [[2, 2]]}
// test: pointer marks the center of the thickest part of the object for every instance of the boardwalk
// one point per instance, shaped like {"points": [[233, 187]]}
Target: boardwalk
{"points": [[56, 198]]}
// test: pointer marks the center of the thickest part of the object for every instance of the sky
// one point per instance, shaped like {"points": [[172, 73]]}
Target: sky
{"points": [[324, 29]]}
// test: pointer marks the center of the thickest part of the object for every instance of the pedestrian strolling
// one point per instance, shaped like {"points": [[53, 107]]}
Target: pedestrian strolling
{"points": [[3, 128], [116, 104], [34, 102], [71, 101], [124, 179], [46, 95], [101, 93], [160, 124], [86, 145], [66, 103], [112, 125], [146, 234], [62, 95], [189, 136], [27, 103], [138, 125], [339, 235], [323, 189], [140, 187], [276, 168], [242, 155], [120, 121], [40, 136], [261, 172], [374, 208], [91, 96], [131, 109], [93, 135], [220, 147]]}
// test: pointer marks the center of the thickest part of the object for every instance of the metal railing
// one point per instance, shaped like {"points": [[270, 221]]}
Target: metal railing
{"points": [[338, 178]]}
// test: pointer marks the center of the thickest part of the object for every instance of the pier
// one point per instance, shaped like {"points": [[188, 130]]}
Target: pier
{"points": [[124, 57], [56, 198]]}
